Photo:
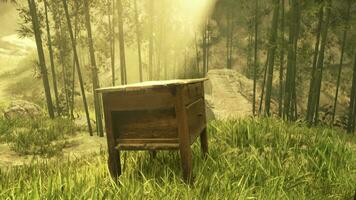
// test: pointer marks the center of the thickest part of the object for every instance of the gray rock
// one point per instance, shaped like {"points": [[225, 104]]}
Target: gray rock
{"points": [[22, 109]]}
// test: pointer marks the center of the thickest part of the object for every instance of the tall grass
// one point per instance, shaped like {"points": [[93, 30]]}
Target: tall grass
{"points": [[38, 136], [248, 159]]}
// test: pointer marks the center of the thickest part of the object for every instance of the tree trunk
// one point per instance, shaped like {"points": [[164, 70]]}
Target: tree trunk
{"points": [[59, 33], [289, 111], [204, 52], [316, 53], [255, 60], [263, 84], [76, 30], [150, 45], [112, 24], [78, 66], [94, 72], [41, 57], [121, 43], [273, 47], [280, 110], [227, 37], [197, 54], [319, 70], [50, 50], [341, 60], [138, 37], [352, 109]]}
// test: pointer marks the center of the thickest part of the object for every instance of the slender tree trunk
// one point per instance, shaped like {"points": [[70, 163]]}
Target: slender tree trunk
{"points": [[59, 33], [273, 44], [121, 42], [207, 46], [94, 72], [319, 70], [76, 30], [150, 45], [41, 57], [263, 84], [78, 66], [316, 53], [50, 50], [290, 106], [352, 109], [138, 37], [197, 54], [231, 37], [228, 37], [281, 62], [255, 68], [341, 60], [112, 38], [204, 53]]}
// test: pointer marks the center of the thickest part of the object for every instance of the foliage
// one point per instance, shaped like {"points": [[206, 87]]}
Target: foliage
{"points": [[40, 136], [248, 159]]}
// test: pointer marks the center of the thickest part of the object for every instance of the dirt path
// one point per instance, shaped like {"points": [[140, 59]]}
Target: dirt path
{"points": [[227, 93]]}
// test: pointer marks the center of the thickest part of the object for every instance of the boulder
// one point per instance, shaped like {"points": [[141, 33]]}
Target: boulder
{"points": [[22, 109]]}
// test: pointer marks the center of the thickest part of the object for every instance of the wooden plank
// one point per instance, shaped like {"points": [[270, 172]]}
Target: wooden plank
{"points": [[183, 132], [150, 84], [196, 119], [193, 92], [158, 123], [140, 100], [152, 146], [149, 141], [114, 155]]}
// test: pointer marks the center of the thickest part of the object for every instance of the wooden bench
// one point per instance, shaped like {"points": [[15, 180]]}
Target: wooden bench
{"points": [[155, 115]]}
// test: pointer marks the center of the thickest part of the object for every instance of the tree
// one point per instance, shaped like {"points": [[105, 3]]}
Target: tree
{"points": [[289, 109], [352, 108], [61, 46], [150, 42], [50, 50], [348, 16], [94, 71], [121, 42], [313, 109], [41, 57], [77, 66], [229, 33], [272, 49], [138, 38], [112, 24], [255, 66], [280, 110]]}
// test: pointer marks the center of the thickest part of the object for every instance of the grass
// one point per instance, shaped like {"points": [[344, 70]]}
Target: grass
{"points": [[248, 159], [40, 136]]}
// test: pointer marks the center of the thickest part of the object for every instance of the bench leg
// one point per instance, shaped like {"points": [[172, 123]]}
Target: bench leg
{"points": [[187, 163], [114, 164], [204, 143]]}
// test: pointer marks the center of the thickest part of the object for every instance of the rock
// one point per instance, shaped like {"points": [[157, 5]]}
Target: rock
{"points": [[22, 109], [228, 94]]}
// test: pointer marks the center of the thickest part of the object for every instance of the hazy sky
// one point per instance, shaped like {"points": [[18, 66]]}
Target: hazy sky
{"points": [[12, 48]]}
